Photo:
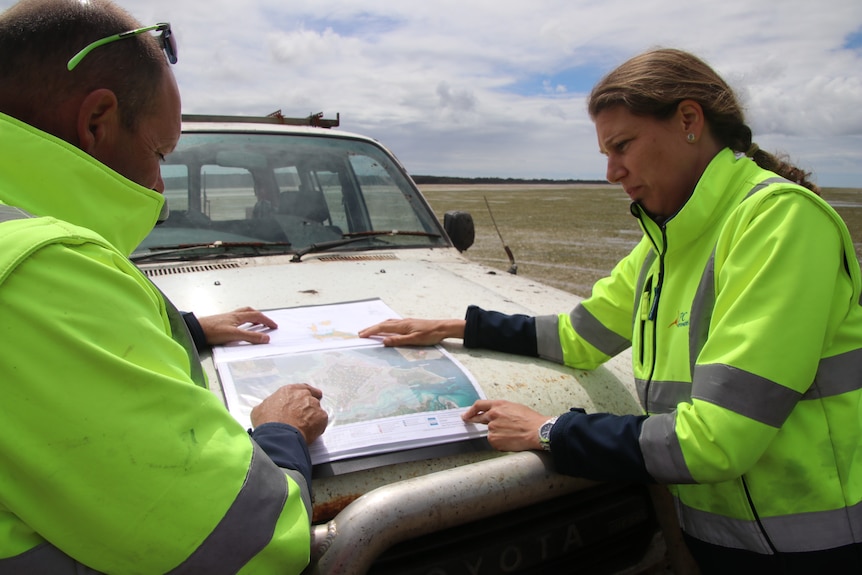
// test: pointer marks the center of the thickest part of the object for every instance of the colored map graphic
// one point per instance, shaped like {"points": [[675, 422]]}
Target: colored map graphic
{"points": [[325, 331], [379, 399], [360, 384]]}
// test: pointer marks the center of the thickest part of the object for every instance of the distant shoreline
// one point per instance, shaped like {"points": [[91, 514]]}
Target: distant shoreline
{"points": [[443, 182], [452, 180], [526, 187]]}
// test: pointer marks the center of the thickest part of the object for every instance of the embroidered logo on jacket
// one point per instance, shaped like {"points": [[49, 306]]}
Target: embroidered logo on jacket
{"points": [[681, 320]]}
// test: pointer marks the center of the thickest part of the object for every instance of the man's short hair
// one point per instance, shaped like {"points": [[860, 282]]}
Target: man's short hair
{"points": [[37, 39]]}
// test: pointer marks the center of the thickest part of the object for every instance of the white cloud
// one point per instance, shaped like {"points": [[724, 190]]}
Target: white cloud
{"points": [[304, 48], [489, 87]]}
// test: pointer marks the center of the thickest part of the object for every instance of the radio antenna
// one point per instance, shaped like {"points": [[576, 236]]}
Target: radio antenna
{"points": [[513, 267]]}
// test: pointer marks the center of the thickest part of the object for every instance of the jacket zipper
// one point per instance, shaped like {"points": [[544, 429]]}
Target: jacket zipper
{"points": [[757, 516], [651, 316]]}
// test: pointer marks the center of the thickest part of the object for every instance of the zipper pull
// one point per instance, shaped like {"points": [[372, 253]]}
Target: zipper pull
{"points": [[645, 300], [653, 310]]}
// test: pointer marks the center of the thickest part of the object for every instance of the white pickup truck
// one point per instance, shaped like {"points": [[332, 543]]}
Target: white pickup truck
{"points": [[269, 213]]}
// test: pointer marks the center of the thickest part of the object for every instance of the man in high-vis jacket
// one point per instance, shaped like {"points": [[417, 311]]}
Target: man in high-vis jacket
{"points": [[114, 457]]}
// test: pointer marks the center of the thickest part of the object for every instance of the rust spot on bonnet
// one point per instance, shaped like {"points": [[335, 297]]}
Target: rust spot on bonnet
{"points": [[329, 509], [517, 385]]}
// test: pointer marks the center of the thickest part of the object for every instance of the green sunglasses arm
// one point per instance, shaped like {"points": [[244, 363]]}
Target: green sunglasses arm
{"points": [[76, 59]]}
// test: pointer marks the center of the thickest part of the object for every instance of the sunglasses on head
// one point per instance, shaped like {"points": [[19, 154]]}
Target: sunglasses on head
{"points": [[169, 45]]}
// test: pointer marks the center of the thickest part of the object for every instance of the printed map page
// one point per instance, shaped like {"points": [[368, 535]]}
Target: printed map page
{"points": [[313, 328], [378, 399]]}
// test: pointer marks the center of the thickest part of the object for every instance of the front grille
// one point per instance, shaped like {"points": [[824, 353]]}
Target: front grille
{"points": [[188, 269], [598, 531], [356, 258]]}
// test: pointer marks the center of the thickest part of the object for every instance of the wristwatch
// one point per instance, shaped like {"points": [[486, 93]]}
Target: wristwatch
{"points": [[545, 434]]}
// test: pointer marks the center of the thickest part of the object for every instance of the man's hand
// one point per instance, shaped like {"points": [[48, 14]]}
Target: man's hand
{"points": [[226, 327], [297, 404], [395, 332], [511, 426]]}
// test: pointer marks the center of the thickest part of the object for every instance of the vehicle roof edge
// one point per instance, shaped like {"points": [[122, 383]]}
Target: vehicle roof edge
{"points": [[315, 120]]}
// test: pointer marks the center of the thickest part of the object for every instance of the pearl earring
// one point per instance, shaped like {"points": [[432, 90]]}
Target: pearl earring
{"points": [[690, 138]]}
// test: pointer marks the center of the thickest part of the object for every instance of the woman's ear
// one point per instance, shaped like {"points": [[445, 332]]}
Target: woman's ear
{"points": [[98, 120], [690, 116], [696, 130]]}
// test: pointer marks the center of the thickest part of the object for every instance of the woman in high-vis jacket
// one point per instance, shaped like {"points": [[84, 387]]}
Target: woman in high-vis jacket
{"points": [[741, 304]]}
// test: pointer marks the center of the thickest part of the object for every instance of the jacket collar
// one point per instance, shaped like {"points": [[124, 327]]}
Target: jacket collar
{"points": [[47, 176], [720, 188]]}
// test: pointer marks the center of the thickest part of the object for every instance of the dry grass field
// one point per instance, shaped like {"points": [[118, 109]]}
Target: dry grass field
{"points": [[569, 235]]}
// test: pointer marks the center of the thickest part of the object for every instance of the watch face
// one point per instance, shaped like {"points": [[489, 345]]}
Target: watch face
{"points": [[545, 434]]}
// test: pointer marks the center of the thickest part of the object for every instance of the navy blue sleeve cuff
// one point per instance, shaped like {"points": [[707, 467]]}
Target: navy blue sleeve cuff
{"points": [[285, 445], [599, 446], [514, 334], [195, 329]]}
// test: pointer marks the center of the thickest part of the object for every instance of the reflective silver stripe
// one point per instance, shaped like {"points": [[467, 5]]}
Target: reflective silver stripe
{"points": [[305, 490], [814, 531], [248, 525], [747, 394], [704, 298], [701, 312], [721, 530], [661, 450], [548, 344], [251, 518], [596, 334], [180, 334], [9, 213], [44, 559], [836, 375], [246, 528], [744, 393], [767, 182], [664, 396]]}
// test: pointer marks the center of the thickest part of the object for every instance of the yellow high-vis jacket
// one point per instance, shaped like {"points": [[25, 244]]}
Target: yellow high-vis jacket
{"points": [[743, 313], [113, 459], [744, 319]]}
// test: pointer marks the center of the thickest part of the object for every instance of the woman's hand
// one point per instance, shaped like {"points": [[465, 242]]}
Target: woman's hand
{"points": [[409, 331], [511, 426]]}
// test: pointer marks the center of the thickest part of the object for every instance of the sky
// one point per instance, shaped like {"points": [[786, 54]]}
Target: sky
{"points": [[497, 88]]}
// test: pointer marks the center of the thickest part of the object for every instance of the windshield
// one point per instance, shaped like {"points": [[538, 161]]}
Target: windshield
{"points": [[287, 191]]}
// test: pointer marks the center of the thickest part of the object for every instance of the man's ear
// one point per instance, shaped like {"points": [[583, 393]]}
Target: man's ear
{"points": [[98, 120]]}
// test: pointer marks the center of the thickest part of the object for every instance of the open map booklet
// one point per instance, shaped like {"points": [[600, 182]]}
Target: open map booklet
{"points": [[379, 399]]}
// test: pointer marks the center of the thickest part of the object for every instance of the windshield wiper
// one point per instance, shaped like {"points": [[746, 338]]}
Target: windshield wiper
{"points": [[257, 247], [352, 237]]}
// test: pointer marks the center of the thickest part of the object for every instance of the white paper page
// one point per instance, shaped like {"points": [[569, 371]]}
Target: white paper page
{"points": [[312, 327], [378, 399]]}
